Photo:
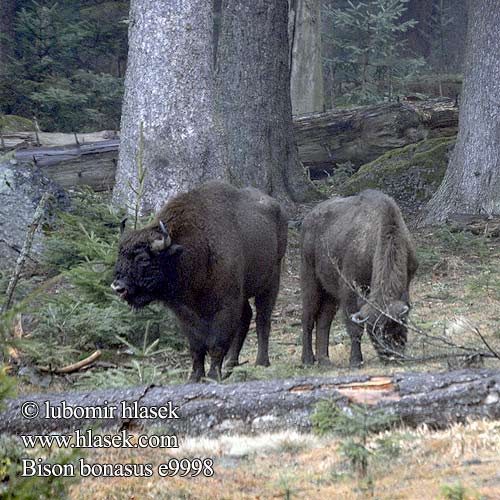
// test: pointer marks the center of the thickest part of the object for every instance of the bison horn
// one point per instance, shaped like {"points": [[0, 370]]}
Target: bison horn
{"points": [[164, 243], [358, 319], [404, 312]]}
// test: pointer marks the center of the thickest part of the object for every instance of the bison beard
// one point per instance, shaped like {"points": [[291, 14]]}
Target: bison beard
{"points": [[361, 240], [206, 253]]}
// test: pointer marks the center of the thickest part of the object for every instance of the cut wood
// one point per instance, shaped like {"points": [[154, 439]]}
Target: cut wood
{"points": [[436, 399], [360, 135]]}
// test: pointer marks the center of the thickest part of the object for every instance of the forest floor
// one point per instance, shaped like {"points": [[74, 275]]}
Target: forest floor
{"points": [[455, 294]]}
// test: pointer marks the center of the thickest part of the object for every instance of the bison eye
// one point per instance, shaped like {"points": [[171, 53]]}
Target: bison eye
{"points": [[141, 258]]}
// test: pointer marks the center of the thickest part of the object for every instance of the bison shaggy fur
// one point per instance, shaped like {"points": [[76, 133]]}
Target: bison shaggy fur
{"points": [[206, 253], [357, 255]]}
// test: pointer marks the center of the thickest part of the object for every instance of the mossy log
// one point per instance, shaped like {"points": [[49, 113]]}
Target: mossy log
{"points": [[436, 399], [410, 174], [361, 134]]}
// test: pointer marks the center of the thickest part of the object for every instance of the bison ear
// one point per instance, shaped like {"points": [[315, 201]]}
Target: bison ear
{"points": [[122, 225], [175, 249]]}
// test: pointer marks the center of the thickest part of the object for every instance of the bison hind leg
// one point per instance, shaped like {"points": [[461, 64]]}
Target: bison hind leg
{"points": [[264, 304], [311, 301], [326, 314], [232, 357]]}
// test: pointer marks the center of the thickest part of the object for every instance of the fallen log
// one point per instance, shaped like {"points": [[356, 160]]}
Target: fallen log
{"points": [[436, 399], [92, 164], [360, 135]]}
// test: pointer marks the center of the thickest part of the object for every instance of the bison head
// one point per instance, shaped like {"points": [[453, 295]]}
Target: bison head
{"points": [[146, 268], [387, 329]]}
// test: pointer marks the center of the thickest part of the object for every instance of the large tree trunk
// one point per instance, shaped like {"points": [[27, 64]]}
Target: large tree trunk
{"points": [[306, 71], [254, 91], [7, 14], [436, 399], [472, 181], [169, 87]]}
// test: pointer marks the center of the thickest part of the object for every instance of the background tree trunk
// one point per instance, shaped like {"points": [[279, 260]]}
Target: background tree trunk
{"points": [[472, 181], [419, 37], [306, 72], [169, 87], [254, 91], [7, 15]]}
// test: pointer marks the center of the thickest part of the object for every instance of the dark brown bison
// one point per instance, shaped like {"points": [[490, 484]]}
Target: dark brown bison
{"points": [[206, 253], [357, 242]]}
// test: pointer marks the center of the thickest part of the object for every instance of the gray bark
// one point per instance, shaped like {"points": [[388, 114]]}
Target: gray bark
{"points": [[254, 91], [169, 88], [306, 72], [437, 399], [472, 181]]}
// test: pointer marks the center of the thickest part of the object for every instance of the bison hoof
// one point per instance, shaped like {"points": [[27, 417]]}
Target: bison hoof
{"points": [[324, 362], [263, 362], [231, 363], [308, 359], [354, 364]]}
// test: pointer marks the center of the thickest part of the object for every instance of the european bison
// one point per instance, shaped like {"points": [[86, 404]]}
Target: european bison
{"points": [[206, 253], [365, 238]]}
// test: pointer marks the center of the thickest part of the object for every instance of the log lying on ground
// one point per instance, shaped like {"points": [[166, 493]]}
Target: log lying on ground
{"points": [[362, 134], [91, 164], [358, 135], [436, 399]]}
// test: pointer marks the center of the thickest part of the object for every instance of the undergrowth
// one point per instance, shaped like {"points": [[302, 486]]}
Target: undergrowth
{"points": [[74, 312]]}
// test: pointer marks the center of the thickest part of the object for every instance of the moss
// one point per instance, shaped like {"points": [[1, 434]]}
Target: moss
{"points": [[13, 123], [410, 174]]}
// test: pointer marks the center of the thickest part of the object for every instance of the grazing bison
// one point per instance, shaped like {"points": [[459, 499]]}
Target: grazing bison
{"points": [[206, 253], [364, 238]]}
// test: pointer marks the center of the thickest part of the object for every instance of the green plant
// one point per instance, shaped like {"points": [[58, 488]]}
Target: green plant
{"points": [[354, 425], [368, 62], [453, 491]]}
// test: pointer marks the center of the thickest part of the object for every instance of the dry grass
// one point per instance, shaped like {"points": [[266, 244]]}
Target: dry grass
{"points": [[306, 467], [457, 289]]}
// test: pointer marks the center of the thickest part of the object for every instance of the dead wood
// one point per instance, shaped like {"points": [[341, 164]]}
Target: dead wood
{"points": [[74, 367], [436, 399], [360, 135]]}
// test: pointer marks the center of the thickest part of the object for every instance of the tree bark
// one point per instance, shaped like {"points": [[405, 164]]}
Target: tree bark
{"points": [[306, 71], [7, 15], [253, 83], [436, 399], [472, 181], [169, 88]]}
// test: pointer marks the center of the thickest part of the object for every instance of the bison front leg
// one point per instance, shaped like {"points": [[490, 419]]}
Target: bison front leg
{"points": [[221, 331]]}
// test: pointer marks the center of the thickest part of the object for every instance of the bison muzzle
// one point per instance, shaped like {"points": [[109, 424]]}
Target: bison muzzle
{"points": [[357, 255], [206, 253]]}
